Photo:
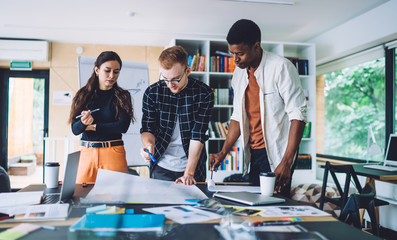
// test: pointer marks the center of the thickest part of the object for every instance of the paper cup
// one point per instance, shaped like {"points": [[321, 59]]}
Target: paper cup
{"points": [[267, 181], [51, 174]]}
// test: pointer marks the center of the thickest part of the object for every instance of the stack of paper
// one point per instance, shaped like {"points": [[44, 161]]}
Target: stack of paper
{"points": [[14, 199], [42, 212]]}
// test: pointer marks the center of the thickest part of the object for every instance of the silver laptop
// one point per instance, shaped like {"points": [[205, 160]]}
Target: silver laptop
{"points": [[390, 161], [249, 198], [69, 181]]}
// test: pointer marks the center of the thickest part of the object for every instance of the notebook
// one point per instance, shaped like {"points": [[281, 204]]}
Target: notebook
{"points": [[249, 198], [69, 181], [390, 161]]}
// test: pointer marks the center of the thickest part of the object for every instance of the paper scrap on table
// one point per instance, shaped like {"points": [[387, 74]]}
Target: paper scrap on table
{"points": [[212, 187], [18, 231], [40, 212], [184, 214], [15, 199], [279, 228], [134, 189], [289, 211]]}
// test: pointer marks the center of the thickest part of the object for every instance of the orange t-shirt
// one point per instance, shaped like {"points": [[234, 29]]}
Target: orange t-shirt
{"points": [[253, 111]]}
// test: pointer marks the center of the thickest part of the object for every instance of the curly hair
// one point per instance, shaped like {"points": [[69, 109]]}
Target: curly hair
{"points": [[244, 31], [86, 95]]}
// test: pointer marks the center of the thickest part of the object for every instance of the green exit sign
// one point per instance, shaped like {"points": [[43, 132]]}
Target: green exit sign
{"points": [[21, 65]]}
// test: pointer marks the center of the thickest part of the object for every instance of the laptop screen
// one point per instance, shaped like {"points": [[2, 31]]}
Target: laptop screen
{"points": [[391, 151]]}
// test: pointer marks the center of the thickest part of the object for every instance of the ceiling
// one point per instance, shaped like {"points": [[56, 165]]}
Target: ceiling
{"points": [[156, 22]]}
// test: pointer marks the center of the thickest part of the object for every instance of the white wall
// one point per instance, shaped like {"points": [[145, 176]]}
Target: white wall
{"points": [[370, 29]]}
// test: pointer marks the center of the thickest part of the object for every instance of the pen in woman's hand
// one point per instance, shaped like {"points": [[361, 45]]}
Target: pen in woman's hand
{"points": [[95, 110]]}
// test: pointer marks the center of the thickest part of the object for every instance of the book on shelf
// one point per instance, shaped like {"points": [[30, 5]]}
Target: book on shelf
{"points": [[307, 130], [231, 161], [302, 65], [222, 64], [217, 52], [223, 96], [196, 62], [304, 161], [218, 129]]}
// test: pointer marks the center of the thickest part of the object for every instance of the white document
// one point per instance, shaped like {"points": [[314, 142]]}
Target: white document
{"points": [[289, 211], [115, 186], [14, 199], [41, 212], [184, 214]]}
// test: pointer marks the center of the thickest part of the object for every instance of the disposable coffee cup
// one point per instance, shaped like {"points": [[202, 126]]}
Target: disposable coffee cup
{"points": [[267, 181], [51, 174]]}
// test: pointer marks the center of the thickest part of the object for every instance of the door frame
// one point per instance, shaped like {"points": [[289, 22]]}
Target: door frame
{"points": [[5, 74]]}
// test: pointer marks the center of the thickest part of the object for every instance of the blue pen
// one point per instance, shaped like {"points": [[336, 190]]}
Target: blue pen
{"points": [[151, 156]]}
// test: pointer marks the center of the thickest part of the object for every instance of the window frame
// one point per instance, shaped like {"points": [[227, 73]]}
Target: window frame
{"points": [[390, 99]]}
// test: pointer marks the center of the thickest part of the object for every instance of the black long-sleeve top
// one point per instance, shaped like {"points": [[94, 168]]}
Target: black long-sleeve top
{"points": [[107, 126]]}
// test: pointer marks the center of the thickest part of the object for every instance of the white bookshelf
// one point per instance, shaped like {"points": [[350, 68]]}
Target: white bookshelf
{"points": [[221, 113]]}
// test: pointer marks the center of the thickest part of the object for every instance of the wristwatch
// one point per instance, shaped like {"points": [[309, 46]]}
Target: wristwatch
{"points": [[94, 126]]}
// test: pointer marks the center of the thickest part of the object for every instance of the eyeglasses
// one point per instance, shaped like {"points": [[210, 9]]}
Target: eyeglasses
{"points": [[175, 81]]}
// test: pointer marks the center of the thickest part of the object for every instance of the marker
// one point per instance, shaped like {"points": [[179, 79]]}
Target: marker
{"points": [[92, 111], [47, 227], [273, 223], [151, 156]]}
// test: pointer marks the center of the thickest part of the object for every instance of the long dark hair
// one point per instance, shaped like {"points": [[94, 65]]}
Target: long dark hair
{"points": [[87, 94]]}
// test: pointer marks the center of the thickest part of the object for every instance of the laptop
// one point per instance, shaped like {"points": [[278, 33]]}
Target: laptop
{"points": [[390, 161], [248, 198], [69, 181]]}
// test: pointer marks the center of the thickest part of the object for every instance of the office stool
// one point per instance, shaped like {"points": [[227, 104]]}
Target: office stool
{"points": [[351, 212], [344, 193]]}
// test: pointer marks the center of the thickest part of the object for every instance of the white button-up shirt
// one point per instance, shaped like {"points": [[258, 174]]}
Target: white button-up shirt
{"points": [[281, 100]]}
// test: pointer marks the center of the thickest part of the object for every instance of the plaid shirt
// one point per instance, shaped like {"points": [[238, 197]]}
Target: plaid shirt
{"points": [[193, 105]]}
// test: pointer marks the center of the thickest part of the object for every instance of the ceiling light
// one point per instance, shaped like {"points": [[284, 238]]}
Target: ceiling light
{"points": [[265, 1], [130, 13]]}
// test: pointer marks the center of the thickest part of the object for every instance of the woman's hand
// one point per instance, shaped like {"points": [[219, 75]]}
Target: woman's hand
{"points": [[87, 119]]}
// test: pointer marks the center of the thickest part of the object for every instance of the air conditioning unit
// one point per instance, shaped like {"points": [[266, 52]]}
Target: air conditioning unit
{"points": [[29, 50]]}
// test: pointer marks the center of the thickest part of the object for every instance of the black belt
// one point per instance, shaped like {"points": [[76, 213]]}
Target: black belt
{"points": [[102, 144]]}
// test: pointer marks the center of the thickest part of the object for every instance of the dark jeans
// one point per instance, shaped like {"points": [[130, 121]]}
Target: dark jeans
{"points": [[260, 163], [164, 174]]}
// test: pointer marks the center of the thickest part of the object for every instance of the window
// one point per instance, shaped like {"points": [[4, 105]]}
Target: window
{"points": [[354, 107], [395, 90]]}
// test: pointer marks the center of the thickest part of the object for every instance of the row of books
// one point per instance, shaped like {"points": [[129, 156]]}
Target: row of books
{"points": [[196, 62], [222, 64], [218, 129], [304, 161], [307, 130], [223, 96], [301, 64], [231, 161]]}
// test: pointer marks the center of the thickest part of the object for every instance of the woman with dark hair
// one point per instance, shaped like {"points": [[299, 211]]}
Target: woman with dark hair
{"points": [[101, 130]]}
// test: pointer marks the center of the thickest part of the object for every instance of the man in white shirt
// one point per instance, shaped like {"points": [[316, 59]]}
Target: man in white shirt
{"points": [[269, 108]]}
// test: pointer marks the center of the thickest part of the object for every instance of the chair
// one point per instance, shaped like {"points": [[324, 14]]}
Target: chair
{"points": [[350, 174], [5, 185], [351, 211]]}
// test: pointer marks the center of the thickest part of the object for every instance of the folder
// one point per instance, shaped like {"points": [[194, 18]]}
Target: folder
{"points": [[120, 222]]}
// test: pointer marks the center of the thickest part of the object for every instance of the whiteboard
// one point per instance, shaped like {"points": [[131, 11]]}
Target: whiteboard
{"points": [[134, 77]]}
